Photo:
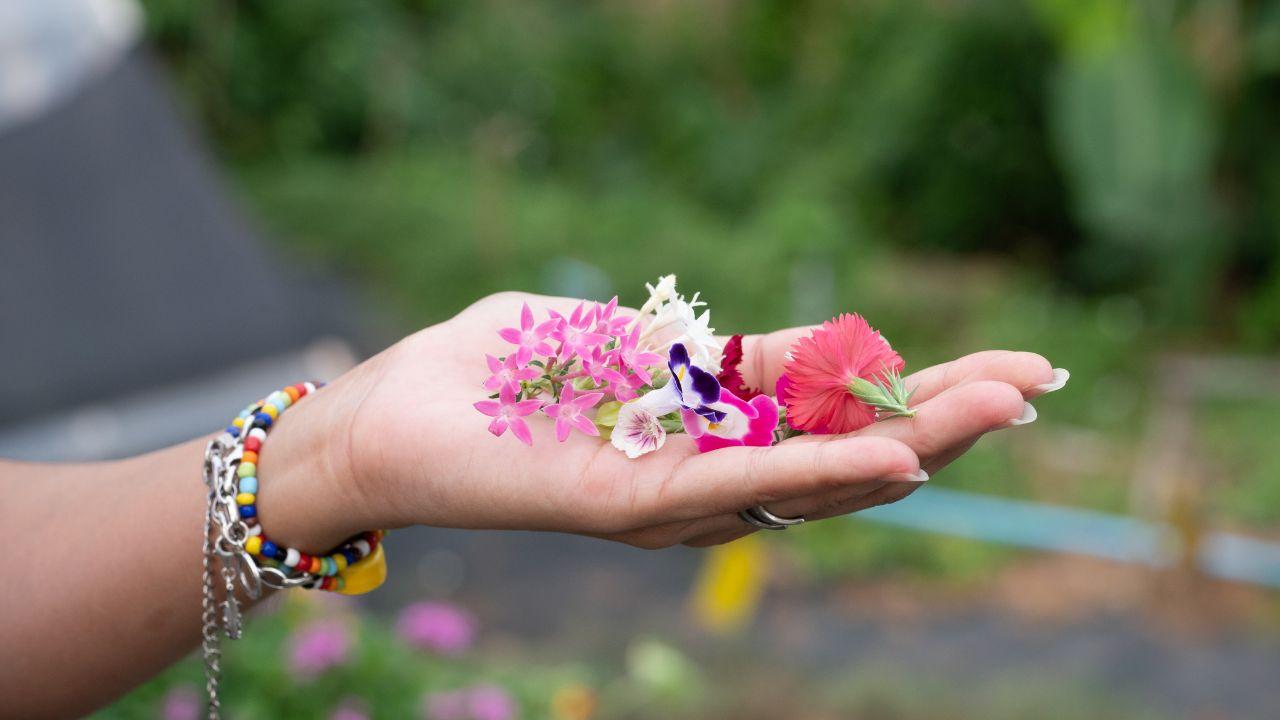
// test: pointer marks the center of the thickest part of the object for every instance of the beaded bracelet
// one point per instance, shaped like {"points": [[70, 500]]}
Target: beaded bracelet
{"points": [[341, 570], [233, 536]]}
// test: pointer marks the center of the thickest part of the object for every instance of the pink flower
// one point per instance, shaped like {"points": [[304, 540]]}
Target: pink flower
{"points": [[569, 412], [317, 647], [638, 430], [490, 702], [815, 384], [529, 339], [607, 323], [507, 412], [575, 332], [508, 373], [637, 360], [744, 423], [481, 702], [437, 627], [598, 367], [182, 703]]}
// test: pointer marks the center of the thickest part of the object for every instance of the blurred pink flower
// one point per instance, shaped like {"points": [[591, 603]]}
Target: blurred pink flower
{"points": [[438, 627], [481, 702], [318, 646], [490, 702], [182, 703]]}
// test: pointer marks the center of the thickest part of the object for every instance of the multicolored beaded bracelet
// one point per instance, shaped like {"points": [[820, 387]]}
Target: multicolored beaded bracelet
{"points": [[354, 567]]}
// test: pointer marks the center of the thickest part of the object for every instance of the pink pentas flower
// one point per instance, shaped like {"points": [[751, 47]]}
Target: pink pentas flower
{"points": [[508, 373], [569, 412], [608, 322], [438, 627], [599, 367], [507, 412], [318, 646], [744, 423], [576, 333], [529, 339], [634, 359]]}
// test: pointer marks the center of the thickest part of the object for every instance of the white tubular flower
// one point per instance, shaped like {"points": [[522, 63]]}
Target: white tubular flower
{"points": [[669, 319]]}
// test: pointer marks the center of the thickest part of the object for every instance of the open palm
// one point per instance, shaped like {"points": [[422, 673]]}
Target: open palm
{"points": [[421, 454]]}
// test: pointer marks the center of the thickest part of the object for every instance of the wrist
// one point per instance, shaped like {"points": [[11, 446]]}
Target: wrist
{"points": [[308, 498]]}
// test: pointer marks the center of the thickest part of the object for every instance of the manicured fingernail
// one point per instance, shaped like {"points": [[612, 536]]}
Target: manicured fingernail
{"points": [[1060, 378], [1027, 417], [919, 477]]}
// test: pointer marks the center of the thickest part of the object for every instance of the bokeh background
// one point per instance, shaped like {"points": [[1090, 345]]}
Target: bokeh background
{"points": [[1094, 180]]}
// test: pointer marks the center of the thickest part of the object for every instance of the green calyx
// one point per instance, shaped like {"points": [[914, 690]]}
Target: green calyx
{"points": [[888, 395]]}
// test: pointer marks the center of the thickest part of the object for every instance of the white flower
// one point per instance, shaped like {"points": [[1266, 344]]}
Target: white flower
{"points": [[663, 292], [638, 430], [671, 319]]}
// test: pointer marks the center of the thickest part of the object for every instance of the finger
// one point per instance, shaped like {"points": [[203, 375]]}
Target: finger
{"points": [[729, 479], [943, 428], [952, 418], [1028, 372], [764, 355]]}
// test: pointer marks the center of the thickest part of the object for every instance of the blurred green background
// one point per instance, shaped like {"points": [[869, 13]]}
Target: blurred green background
{"points": [[1094, 180]]}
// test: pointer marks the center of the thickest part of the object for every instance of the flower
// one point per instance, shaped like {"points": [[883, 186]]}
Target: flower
{"points": [[490, 702], [481, 702], [818, 381], [633, 358], [569, 412], [508, 373], [730, 378], [181, 703], [607, 322], [744, 423], [598, 367], [437, 627], [638, 431], [529, 339], [317, 647], [576, 332], [507, 412], [671, 319]]}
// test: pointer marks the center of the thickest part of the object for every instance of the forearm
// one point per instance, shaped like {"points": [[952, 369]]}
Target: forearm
{"points": [[103, 585]]}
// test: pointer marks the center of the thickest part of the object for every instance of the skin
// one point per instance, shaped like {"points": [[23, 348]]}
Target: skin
{"points": [[104, 573]]}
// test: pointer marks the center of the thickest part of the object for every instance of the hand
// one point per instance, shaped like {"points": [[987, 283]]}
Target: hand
{"points": [[409, 448]]}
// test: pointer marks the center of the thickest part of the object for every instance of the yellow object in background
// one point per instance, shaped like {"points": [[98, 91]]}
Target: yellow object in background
{"points": [[730, 584]]}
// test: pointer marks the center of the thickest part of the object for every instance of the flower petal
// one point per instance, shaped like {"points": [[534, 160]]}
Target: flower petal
{"points": [[489, 407], [521, 431]]}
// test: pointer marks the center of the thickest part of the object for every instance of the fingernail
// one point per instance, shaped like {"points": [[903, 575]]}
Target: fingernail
{"points": [[1060, 378], [919, 477], [1027, 417]]}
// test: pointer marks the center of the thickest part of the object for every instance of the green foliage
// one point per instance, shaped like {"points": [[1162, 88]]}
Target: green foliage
{"points": [[1122, 146]]}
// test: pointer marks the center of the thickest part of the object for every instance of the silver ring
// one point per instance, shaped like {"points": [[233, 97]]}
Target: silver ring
{"points": [[759, 517]]}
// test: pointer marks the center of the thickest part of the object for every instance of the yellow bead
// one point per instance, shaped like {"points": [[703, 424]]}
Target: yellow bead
{"points": [[367, 574], [340, 560], [245, 498], [238, 422], [271, 410], [253, 545]]}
